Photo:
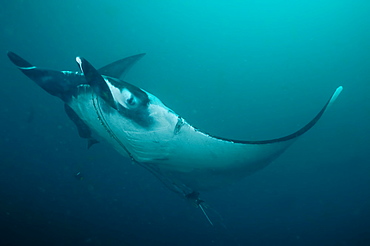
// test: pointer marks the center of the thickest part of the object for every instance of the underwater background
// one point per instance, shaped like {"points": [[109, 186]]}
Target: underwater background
{"points": [[248, 70]]}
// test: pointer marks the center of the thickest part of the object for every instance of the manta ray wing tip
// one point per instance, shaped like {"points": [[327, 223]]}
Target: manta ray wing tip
{"points": [[336, 94], [19, 61], [338, 90]]}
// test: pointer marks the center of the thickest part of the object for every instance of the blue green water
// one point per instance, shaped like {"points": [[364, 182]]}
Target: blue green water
{"points": [[246, 70]]}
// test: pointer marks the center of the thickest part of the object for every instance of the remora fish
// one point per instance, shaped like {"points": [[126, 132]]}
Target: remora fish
{"points": [[142, 128]]}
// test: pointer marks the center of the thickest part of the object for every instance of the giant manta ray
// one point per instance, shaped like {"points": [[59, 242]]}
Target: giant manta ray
{"points": [[142, 128]]}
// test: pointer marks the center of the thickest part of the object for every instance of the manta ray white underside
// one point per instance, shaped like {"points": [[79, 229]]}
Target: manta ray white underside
{"points": [[183, 157], [142, 128]]}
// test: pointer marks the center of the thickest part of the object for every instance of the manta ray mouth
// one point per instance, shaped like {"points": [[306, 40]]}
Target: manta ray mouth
{"points": [[103, 122]]}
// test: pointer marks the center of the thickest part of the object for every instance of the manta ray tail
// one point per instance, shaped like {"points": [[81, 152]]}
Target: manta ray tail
{"points": [[205, 214], [193, 197]]}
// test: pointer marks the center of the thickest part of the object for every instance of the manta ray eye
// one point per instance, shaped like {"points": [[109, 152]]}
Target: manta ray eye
{"points": [[131, 101], [128, 99]]}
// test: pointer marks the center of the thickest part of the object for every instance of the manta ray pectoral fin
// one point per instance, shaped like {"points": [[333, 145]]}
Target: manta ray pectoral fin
{"points": [[119, 68], [19, 61], [96, 81], [315, 119], [56, 83], [335, 95], [298, 133], [91, 142], [83, 130]]}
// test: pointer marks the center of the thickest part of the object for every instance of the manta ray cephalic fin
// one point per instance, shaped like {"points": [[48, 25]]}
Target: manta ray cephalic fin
{"points": [[96, 81]]}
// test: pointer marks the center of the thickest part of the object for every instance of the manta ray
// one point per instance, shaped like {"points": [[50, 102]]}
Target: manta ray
{"points": [[140, 127]]}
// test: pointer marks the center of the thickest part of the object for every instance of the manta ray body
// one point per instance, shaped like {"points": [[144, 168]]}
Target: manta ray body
{"points": [[139, 126]]}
